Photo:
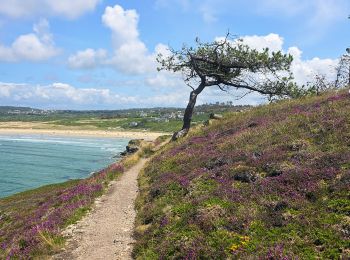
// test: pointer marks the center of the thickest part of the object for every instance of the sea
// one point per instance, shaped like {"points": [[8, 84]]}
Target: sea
{"points": [[31, 161]]}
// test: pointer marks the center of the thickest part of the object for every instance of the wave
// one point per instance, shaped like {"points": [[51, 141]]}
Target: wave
{"points": [[34, 140], [69, 141]]}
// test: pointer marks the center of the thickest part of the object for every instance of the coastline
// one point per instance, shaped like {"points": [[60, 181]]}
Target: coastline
{"points": [[148, 136]]}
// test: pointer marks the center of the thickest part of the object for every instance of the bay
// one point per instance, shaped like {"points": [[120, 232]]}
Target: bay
{"points": [[31, 161]]}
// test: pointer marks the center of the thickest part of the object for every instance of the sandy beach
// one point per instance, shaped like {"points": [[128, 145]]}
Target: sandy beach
{"points": [[149, 136]]}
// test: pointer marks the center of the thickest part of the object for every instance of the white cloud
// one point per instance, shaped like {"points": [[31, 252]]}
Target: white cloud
{"points": [[123, 24], [6, 89], [211, 95], [37, 46], [165, 80], [61, 95], [87, 59], [130, 55], [67, 8], [304, 71], [273, 41]]}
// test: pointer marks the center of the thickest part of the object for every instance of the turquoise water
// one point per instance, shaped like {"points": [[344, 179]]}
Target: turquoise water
{"points": [[31, 161]]}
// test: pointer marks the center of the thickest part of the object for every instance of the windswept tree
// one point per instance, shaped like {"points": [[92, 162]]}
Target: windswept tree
{"points": [[229, 63], [343, 70]]}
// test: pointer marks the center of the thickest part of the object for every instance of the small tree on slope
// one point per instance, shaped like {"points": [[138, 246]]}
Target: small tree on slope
{"points": [[343, 70], [229, 64]]}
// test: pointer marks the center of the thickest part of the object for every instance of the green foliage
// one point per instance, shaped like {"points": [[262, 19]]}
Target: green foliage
{"points": [[77, 215], [231, 63]]}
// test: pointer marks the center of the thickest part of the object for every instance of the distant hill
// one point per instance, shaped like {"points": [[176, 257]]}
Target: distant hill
{"points": [[269, 183], [165, 119], [5, 109], [216, 107]]}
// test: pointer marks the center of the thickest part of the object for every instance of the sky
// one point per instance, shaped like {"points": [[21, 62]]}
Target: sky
{"points": [[100, 54]]}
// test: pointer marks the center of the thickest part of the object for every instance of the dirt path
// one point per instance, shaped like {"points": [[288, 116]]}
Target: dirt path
{"points": [[106, 232]]}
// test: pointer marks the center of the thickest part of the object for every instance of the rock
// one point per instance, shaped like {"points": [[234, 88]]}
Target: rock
{"points": [[245, 177], [253, 124], [123, 153], [244, 173], [135, 142], [281, 205], [215, 163], [132, 147], [215, 116], [257, 155], [208, 122], [272, 170]]}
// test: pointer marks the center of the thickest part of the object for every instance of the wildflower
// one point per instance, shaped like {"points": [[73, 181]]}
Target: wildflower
{"points": [[244, 240], [234, 247]]}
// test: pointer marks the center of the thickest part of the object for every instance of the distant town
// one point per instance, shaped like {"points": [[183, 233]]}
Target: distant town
{"points": [[153, 119]]}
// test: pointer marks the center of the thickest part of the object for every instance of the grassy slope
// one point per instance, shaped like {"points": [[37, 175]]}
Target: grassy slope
{"points": [[270, 183]]}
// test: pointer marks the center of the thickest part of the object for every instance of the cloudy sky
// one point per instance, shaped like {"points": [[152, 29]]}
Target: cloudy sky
{"points": [[100, 54]]}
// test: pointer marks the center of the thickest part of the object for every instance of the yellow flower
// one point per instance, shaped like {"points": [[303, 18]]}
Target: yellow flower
{"points": [[234, 247], [245, 238]]}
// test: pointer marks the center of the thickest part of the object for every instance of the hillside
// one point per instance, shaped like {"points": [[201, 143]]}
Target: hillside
{"points": [[269, 183]]}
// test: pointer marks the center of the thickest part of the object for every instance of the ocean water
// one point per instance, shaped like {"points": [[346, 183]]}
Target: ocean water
{"points": [[31, 161]]}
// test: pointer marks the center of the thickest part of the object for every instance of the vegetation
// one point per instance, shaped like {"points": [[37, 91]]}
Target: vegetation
{"points": [[154, 119], [322, 83], [31, 222], [230, 64], [343, 70], [269, 183]]}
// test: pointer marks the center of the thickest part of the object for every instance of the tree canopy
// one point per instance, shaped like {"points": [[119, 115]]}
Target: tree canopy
{"points": [[229, 63]]}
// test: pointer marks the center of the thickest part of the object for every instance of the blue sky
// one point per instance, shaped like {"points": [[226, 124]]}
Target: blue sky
{"points": [[99, 54]]}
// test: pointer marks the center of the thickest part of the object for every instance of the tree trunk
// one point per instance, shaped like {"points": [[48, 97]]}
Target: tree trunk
{"points": [[189, 112]]}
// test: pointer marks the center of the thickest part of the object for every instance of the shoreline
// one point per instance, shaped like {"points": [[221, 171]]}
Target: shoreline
{"points": [[148, 136]]}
